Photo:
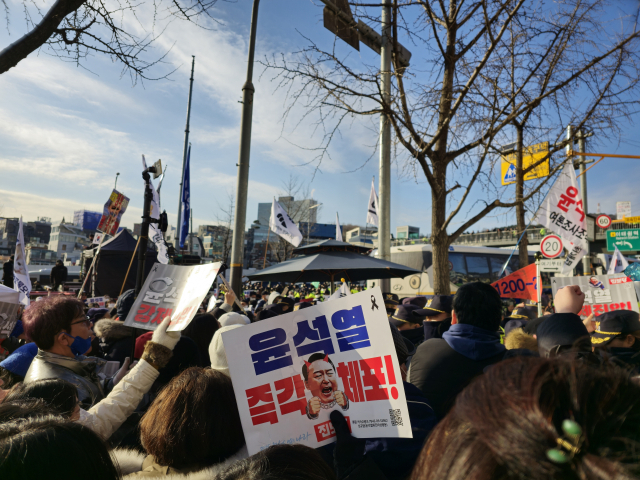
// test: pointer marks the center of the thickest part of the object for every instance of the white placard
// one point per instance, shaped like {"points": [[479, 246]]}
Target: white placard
{"points": [[622, 209], [171, 290], [344, 349]]}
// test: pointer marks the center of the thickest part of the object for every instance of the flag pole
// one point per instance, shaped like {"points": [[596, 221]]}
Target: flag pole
{"points": [[265, 249], [91, 267], [133, 257]]}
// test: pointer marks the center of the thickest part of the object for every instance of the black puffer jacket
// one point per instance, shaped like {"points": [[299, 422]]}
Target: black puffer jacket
{"points": [[116, 340]]}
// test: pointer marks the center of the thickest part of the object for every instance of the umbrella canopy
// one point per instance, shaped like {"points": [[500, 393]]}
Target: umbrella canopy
{"points": [[330, 246], [9, 295], [332, 266]]}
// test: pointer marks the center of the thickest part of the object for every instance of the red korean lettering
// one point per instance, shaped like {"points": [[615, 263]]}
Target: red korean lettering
{"points": [[144, 313], [391, 375], [374, 378], [325, 430], [265, 413], [161, 314], [286, 387], [565, 202], [586, 311], [598, 310], [580, 210]]}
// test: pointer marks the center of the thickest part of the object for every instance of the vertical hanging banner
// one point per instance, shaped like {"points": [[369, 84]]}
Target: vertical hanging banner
{"points": [[174, 291], [112, 214], [155, 234], [372, 209], [183, 231], [290, 372], [21, 280], [563, 213]]}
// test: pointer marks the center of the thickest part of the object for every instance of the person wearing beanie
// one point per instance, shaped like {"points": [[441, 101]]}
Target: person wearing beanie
{"points": [[217, 353], [233, 318]]}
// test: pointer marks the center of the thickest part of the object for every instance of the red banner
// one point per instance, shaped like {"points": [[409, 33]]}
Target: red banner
{"points": [[522, 283]]}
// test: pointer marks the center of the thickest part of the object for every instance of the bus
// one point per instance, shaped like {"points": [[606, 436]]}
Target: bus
{"points": [[466, 264]]}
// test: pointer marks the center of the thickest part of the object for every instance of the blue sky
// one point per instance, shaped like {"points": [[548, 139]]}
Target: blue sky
{"points": [[66, 130]]}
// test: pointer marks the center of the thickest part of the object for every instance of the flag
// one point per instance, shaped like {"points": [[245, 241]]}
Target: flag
{"points": [[372, 210], [97, 238], [155, 234], [186, 202], [618, 263], [522, 283], [562, 212], [281, 224], [338, 229], [343, 291], [21, 280], [160, 185]]}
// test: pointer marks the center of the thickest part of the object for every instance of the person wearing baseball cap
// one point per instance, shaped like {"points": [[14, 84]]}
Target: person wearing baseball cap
{"points": [[617, 337], [391, 302], [435, 316], [420, 302], [408, 324]]}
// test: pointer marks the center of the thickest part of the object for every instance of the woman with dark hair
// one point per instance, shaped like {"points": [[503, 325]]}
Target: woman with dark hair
{"points": [[60, 395], [193, 426], [282, 462], [52, 448], [532, 418]]}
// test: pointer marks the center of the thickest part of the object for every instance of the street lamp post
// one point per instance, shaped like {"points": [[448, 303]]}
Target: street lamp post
{"points": [[237, 248]]}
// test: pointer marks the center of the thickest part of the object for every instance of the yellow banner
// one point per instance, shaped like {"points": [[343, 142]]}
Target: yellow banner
{"points": [[631, 219], [530, 155]]}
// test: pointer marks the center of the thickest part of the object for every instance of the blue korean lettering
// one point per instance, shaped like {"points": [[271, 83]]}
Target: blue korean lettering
{"points": [[270, 345], [352, 338], [319, 331]]}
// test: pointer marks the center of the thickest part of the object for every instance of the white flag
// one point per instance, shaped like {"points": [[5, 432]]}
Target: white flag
{"points": [[338, 229], [562, 213], [343, 291], [21, 280], [618, 263], [97, 238], [282, 225], [155, 234], [372, 209]]}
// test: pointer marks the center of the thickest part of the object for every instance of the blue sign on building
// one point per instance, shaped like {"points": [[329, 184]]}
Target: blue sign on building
{"points": [[86, 219]]}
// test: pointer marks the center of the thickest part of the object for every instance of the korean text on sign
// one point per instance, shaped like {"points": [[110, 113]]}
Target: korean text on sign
{"points": [[291, 371]]}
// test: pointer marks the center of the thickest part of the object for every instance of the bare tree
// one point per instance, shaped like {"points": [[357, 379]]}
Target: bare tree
{"points": [[222, 233], [75, 29], [473, 84]]}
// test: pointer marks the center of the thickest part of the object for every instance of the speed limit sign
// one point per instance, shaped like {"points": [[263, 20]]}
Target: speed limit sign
{"points": [[603, 221], [551, 246]]}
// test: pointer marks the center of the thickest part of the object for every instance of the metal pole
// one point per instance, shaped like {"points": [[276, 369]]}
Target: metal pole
{"points": [[237, 249], [586, 261], [191, 235], [384, 232], [184, 153], [144, 230]]}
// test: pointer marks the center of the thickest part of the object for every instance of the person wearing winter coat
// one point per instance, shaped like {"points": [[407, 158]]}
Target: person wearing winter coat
{"points": [[116, 340], [58, 275], [62, 332], [201, 440], [442, 367]]}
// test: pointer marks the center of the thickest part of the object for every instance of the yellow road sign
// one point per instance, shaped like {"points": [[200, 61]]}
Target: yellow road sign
{"points": [[530, 155], [631, 219]]}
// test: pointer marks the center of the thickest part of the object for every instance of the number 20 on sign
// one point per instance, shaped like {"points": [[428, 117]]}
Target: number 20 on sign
{"points": [[551, 246]]}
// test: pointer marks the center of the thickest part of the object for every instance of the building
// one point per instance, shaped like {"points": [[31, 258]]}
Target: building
{"points": [[39, 254], [38, 231], [407, 232], [299, 210], [216, 241], [68, 240], [9, 233], [87, 220], [359, 235]]}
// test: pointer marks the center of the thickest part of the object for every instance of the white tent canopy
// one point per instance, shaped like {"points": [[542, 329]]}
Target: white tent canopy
{"points": [[9, 295]]}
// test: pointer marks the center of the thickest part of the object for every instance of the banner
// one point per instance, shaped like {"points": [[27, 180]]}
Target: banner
{"points": [[21, 280], [280, 222], [602, 293], [338, 229], [343, 291], [291, 371], [155, 234], [562, 213], [112, 213], [522, 284], [174, 291], [183, 230], [618, 263], [102, 301], [372, 210]]}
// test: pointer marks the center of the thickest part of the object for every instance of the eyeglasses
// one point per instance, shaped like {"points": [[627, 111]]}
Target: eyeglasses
{"points": [[87, 321]]}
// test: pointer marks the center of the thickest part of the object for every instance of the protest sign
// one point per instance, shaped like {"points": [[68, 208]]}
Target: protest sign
{"points": [[102, 301], [563, 213], [8, 318], [291, 371], [522, 283], [174, 291], [602, 293], [112, 213]]}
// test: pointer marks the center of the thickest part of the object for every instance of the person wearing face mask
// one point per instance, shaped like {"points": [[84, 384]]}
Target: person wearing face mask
{"points": [[62, 332], [436, 316]]}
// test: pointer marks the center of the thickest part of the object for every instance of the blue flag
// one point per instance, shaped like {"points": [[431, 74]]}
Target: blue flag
{"points": [[186, 202]]}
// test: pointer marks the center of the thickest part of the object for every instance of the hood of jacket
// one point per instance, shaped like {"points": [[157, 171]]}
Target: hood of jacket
{"points": [[217, 353], [131, 466], [518, 338], [473, 342], [111, 330]]}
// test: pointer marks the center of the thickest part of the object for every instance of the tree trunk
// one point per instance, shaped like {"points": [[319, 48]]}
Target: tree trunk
{"points": [[439, 238], [522, 249]]}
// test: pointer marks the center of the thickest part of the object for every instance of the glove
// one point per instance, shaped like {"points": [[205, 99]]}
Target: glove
{"points": [[120, 374], [349, 451], [162, 337]]}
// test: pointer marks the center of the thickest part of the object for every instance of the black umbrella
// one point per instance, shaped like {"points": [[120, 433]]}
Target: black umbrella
{"points": [[330, 246], [330, 265]]}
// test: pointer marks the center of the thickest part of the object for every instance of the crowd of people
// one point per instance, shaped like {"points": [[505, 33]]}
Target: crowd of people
{"points": [[493, 392]]}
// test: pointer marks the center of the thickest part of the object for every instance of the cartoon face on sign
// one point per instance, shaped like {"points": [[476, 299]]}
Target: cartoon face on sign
{"points": [[321, 380], [595, 283]]}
